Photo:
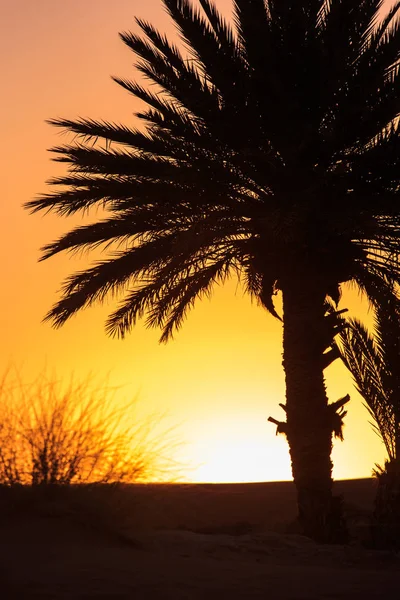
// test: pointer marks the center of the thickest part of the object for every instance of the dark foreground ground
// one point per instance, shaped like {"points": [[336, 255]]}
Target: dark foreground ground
{"points": [[188, 542]]}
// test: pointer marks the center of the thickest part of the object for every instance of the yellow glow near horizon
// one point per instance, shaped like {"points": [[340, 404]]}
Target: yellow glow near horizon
{"points": [[240, 454], [222, 375]]}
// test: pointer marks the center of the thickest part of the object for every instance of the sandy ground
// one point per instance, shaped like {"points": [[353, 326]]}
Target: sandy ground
{"points": [[52, 556]]}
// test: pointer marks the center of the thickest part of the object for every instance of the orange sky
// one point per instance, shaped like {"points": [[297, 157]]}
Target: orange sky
{"points": [[221, 377]]}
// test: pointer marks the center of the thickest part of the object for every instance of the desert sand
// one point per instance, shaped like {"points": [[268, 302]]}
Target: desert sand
{"points": [[192, 542]]}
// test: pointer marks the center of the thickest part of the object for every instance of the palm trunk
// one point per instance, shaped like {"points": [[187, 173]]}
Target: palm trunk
{"points": [[309, 427], [386, 516]]}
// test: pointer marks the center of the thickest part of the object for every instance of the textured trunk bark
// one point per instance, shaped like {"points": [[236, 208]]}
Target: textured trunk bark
{"points": [[309, 426]]}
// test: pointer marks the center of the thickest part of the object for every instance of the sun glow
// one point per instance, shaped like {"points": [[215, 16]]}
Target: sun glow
{"points": [[222, 375], [238, 452]]}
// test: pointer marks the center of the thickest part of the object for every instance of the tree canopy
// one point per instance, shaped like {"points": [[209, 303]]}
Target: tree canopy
{"points": [[269, 142]]}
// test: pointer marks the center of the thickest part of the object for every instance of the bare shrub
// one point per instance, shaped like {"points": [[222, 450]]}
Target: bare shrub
{"points": [[55, 434]]}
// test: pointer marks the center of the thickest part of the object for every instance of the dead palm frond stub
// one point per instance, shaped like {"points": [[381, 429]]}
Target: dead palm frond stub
{"points": [[334, 325], [335, 415], [268, 151], [281, 426]]}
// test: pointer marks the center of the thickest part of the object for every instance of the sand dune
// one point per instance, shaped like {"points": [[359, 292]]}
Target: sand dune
{"points": [[236, 508], [192, 543]]}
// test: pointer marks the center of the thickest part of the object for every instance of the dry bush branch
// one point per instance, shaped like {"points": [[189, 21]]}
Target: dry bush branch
{"points": [[55, 434]]}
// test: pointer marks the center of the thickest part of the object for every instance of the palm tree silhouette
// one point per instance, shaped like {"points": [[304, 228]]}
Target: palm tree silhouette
{"points": [[374, 361], [269, 152]]}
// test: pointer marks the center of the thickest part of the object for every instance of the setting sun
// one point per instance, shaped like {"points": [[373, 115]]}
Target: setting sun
{"points": [[238, 456]]}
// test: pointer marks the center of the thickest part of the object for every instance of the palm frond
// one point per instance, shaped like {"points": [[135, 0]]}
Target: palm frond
{"points": [[245, 129], [222, 30], [361, 356], [374, 361], [166, 298]]}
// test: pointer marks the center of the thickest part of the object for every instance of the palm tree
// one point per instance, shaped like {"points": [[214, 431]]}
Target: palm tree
{"points": [[268, 152], [374, 362]]}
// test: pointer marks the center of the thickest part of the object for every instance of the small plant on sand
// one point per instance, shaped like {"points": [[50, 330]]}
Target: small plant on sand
{"points": [[54, 434]]}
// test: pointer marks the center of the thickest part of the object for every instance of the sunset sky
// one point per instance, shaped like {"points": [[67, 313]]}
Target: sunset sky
{"points": [[221, 377]]}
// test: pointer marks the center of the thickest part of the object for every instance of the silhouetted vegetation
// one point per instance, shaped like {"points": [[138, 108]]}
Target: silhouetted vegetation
{"points": [[269, 152], [55, 435], [70, 451], [374, 361]]}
